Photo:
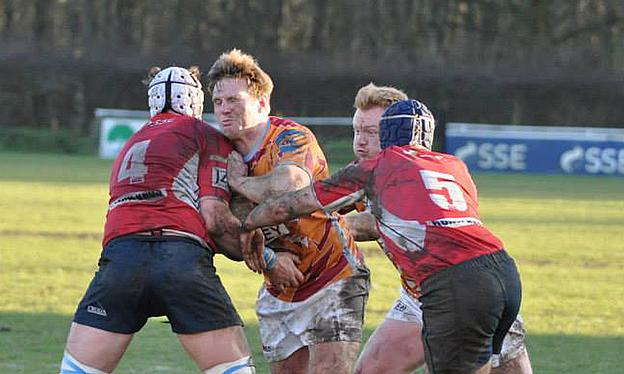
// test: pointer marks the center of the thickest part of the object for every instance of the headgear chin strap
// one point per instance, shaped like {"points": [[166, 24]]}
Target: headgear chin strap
{"points": [[176, 89], [406, 122]]}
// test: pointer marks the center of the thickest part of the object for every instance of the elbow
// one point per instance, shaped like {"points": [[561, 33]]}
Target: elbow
{"points": [[361, 235], [357, 236]]}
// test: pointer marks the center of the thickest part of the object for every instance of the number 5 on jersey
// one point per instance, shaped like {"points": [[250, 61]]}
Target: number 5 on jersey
{"points": [[133, 166], [434, 180]]}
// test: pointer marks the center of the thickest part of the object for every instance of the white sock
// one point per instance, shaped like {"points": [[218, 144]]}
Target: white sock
{"points": [[70, 365], [240, 366]]}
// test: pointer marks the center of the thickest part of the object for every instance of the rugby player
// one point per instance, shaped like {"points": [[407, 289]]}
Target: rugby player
{"points": [[425, 207], [167, 215], [395, 346], [315, 326]]}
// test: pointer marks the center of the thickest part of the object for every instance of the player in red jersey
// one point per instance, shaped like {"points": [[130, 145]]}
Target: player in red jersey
{"points": [[396, 346], [168, 213], [314, 325], [425, 207]]}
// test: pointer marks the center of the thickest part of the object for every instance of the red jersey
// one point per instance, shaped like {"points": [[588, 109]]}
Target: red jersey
{"points": [[327, 250], [162, 173], [425, 205]]}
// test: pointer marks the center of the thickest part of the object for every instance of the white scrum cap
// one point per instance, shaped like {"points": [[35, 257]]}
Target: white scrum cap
{"points": [[176, 89]]}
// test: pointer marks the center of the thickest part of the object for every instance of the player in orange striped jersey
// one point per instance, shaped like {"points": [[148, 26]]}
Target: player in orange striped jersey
{"points": [[316, 325], [320, 240]]}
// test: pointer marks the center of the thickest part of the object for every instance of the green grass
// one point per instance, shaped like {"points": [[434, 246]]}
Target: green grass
{"points": [[565, 233]]}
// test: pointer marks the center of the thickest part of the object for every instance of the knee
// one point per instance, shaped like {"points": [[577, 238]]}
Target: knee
{"points": [[366, 364], [359, 369], [334, 357]]}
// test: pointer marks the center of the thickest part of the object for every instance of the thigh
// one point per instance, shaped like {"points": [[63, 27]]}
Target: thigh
{"points": [[462, 308], [112, 301], [96, 348], [280, 327], [395, 347], [335, 313], [188, 290], [214, 347]]}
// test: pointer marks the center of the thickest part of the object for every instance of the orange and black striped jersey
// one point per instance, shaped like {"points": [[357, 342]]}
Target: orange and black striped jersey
{"points": [[327, 250]]}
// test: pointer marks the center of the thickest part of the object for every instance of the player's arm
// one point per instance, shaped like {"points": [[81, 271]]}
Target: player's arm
{"points": [[225, 229], [222, 226], [362, 226], [343, 188], [281, 267], [284, 178], [282, 208]]}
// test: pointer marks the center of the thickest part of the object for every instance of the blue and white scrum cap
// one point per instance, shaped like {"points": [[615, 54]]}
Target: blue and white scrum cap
{"points": [[406, 122]]}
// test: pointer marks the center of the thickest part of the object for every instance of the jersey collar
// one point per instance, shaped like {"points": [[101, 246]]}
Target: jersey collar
{"points": [[249, 156]]}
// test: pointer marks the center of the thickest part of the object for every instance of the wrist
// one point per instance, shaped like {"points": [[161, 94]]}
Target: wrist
{"points": [[270, 259]]}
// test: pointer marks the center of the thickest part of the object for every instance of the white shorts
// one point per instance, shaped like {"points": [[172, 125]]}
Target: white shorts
{"points": [[335, 313], [407, 309]]}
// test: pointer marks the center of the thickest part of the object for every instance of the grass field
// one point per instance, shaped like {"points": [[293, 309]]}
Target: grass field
{"points": [[563, 232]]}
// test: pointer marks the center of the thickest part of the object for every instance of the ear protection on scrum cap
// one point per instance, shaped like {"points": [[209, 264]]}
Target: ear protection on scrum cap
{"points": [[406, 122]]}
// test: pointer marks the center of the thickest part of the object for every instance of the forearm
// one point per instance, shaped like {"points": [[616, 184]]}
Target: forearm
{"points": [[283, 208], [227, 240], [255, 189], [281, 180], [223, 227], [362, 226]]}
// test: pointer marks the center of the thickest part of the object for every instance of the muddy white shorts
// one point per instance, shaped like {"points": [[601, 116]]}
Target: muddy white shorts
{"points": [[335, 313], [407, 309]]}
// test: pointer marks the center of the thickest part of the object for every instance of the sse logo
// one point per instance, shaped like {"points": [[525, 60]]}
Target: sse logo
{"points": [[494, 156], [593, 160]]}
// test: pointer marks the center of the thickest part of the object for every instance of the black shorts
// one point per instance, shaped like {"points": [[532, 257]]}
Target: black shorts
{"points": [[467, 310], [141, 277]]}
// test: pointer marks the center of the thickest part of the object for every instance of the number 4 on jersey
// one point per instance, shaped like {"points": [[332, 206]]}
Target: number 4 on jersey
{"points": [[434, 180], [133, 166]]}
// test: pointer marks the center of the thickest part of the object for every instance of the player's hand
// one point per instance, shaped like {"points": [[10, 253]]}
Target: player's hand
{"points": [[252, 246], [236, 168], [285, 272]]}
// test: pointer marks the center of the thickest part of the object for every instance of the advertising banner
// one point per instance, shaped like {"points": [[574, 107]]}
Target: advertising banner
{"points": [[537, 149], [115, 131]]}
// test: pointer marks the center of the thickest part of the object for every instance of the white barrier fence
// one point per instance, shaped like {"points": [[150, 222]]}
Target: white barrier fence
{"points": [[118, 125], [491, 148]]}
